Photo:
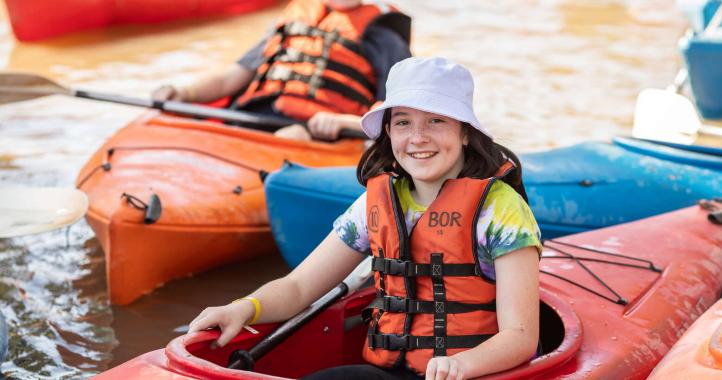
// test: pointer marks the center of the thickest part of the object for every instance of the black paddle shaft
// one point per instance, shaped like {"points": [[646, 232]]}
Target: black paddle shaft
{"points": [[245, 360], [264, 122]]}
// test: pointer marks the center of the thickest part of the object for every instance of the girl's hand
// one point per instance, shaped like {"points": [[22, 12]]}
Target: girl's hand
{"points": [[230, 318], [445, 368]]}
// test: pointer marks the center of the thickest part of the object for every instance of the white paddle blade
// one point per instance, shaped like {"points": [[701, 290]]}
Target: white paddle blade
{"points": [[25, 211], [359, 276], [665, 116]]}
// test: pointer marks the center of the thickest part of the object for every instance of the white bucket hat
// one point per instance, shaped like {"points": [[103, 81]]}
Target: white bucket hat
{"points": [[434, 85]]}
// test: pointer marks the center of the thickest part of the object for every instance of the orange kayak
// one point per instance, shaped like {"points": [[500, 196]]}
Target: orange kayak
{"points": [[172, 196], [698, 354], [39, 19], [653, 278]]}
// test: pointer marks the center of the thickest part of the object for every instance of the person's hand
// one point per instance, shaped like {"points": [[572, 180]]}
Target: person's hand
{"points": [[445, 368], [325, 125], [168, 92], [230, 318], [294, 132]]}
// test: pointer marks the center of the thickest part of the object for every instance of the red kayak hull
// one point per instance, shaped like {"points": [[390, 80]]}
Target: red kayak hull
{"points": [[584, 335], [39, 19], [698, 353]]}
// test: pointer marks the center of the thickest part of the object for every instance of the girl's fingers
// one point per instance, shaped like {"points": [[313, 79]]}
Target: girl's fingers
{"points": [[431, 370], [453, 371], [442, 368], [228, 333], [201, 324]]}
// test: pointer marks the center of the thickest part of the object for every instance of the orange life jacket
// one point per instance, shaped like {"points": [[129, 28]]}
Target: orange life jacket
{"points": [[433, 299], [314, 61]]}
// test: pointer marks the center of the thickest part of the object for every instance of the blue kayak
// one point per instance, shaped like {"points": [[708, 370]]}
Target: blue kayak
{"points": [[3, 338], [702, 55], [574, 189]]}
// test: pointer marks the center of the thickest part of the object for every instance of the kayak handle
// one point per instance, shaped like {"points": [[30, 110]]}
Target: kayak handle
{"points": [[152, 209], [242, 360]]}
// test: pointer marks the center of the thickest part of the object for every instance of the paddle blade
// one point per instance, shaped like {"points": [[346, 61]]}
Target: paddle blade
{"points": [[665, 116], [25, 211], [16, 87]]}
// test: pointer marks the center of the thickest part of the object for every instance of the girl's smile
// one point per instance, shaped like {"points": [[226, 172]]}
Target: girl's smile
{"points": [[428, 146]]}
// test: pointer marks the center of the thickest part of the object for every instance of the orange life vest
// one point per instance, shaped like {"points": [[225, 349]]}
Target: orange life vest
{"points": [[314, 61], [433, 299]]}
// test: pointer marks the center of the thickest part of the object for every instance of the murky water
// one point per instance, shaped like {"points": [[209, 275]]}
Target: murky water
{"points": [[548, 73]]}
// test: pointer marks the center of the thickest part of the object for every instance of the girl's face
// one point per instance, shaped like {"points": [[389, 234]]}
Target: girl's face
{"points": [[427, 146]]}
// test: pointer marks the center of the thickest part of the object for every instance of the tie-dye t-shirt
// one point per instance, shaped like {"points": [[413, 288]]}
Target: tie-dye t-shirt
{"points": [[505, 223]]}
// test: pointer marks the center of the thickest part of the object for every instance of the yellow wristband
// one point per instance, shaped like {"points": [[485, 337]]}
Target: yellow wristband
{"points": [[256, 305]]}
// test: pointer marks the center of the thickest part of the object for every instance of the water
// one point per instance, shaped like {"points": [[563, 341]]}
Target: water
{"points": [[548, 74]]}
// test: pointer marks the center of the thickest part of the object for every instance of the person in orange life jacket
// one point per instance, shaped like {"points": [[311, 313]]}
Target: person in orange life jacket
{"points": [[435, 182], [373, 38]]}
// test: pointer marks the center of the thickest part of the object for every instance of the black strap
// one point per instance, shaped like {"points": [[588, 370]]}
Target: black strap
{"points": [[715, 217], [367, 313], [395, 304], [395, 342], [297, 28], [410, 269], [437, 283], [290, 55], [285, 74]]}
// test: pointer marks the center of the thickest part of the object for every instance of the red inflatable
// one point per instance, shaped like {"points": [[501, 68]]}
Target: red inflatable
{"points": [[38, 19]]}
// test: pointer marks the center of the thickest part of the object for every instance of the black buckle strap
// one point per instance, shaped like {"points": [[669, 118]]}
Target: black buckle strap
{"points": [[395, 304], [290, 55], [297, 28], [395, 342], [395, 267], [440, 312], [285, 74]]}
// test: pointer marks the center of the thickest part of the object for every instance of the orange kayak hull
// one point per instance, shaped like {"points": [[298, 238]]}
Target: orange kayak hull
{"points": [[207, 177], [698, 353], [584, 335]]}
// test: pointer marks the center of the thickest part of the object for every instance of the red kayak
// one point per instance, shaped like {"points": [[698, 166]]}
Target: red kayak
{"points": [[614, 301], [698, 353], [38, 19]]}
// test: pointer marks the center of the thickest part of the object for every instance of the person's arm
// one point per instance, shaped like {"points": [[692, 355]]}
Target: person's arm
{"points": [[517, 312], [215, 86], [283, 298], [209, 88]]}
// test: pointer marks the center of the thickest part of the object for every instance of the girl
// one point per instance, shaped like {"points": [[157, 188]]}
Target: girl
{"points": [[455, 247]]}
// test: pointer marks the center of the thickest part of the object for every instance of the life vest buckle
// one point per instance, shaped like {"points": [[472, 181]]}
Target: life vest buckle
{"points": [[279, 73], [395, 342], [397, 267], [396, 304], [297, 29]]}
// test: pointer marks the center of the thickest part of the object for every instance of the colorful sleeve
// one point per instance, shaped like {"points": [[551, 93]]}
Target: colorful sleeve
{"points": [[506, 224], [351, 226]]}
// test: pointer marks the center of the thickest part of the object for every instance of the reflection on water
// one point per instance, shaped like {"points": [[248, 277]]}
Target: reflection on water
{"points": [[548, 73]]}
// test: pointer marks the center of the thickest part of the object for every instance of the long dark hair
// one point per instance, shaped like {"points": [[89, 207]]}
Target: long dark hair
{"points": [[482, 158]]}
